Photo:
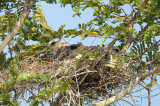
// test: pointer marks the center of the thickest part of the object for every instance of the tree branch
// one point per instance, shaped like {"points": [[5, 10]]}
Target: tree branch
{"points": [[130, 40], [121, 94], [106, 50], [27, 7], [110, 46], [135, 15]]}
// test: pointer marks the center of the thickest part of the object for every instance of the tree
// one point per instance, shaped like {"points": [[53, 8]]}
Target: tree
{"points": [[87, 76]]}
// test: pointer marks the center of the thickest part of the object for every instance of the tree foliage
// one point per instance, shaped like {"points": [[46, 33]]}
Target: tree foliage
{"points": [[23, 22]]}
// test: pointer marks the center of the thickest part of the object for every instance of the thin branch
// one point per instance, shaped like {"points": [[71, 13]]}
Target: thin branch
{"points": [[127, 102], [126, 17], [133, 11], [146, 96], [130, 40], [106, 50], [149, 96], [141, 6], [110, 46]]}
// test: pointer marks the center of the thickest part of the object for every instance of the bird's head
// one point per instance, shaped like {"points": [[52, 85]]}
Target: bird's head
{"points": [[114, 49], [54, 44]]}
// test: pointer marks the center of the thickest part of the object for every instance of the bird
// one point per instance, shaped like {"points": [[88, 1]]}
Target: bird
{"points": [[114, 49], [63, 52], [54, 45]]}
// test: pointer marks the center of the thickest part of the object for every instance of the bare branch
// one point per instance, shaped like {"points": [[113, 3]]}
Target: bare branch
{"points": [[110, 45], [121, 94], [126, 17]]}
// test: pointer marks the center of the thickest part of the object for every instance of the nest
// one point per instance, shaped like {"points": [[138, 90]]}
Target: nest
{"points": [[91, 78]]}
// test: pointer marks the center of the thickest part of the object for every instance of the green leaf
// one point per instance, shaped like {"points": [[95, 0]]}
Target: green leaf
{"points": [[110, 65], [25, 76], [92, 58], [154, 82], [44, 77], [65, 85], [14, 103], [34, 103], [79, 26], [79, 56]]}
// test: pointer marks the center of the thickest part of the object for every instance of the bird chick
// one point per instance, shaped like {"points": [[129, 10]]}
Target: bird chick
{"points": [[55, 46], [114, 49]]}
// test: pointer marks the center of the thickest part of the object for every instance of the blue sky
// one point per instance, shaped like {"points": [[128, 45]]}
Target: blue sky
{"points": [[57, 16]]}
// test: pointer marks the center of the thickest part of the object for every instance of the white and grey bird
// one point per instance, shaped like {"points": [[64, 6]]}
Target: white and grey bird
{"points": [[59, 50], [54, 45], [71, 51], [114, 49]]}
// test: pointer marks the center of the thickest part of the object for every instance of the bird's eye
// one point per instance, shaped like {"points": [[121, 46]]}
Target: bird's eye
{"points": [[53, 43], [116, 50]]}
